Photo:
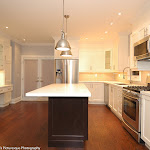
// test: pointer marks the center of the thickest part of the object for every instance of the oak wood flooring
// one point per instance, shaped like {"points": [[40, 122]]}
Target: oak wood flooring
{"points": [[26, 124]]}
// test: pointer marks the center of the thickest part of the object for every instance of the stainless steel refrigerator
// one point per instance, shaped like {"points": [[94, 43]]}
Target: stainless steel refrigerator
{"points": [[67, 70]]}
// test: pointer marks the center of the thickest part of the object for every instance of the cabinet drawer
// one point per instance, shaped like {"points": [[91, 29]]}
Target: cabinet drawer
{"points": [[1, 91], [8, 89]]}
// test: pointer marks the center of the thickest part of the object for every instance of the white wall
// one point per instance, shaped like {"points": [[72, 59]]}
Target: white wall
{"points": [[142, 17], [16, 70], [38, 50]]}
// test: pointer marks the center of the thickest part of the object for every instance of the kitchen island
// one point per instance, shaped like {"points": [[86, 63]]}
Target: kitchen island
{"points": [[67, 113]]}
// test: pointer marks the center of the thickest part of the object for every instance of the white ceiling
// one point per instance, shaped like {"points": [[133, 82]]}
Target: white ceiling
{"points": [[38, 21]]}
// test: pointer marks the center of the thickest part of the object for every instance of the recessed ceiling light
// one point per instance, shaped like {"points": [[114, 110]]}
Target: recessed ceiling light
{"points": [[106, 32], [111, 23], [86, 38], [6, 27], [119, 13], [24, 39]]}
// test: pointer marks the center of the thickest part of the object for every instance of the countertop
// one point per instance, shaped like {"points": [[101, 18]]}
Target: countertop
{"points": [[116, 83], [61, 90]]}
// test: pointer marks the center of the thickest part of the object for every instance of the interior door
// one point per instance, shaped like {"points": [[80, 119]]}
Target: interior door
{"points": [[30, 75], [47, 72]]}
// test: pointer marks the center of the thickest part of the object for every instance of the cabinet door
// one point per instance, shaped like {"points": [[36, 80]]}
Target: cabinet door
{"points": [[133, 39], [91, 61], [98, 61], [119, 101], [145, 119], [89, 86], [115, 99], [85, 61], [111, 96], [98, 92], [142, 33], [47, 72]]}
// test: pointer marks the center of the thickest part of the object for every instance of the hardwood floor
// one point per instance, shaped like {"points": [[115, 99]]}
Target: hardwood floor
{"points": [[26, 124]]}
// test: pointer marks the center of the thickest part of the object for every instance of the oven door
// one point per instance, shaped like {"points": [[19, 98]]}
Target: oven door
{"points": [[130, 111]]}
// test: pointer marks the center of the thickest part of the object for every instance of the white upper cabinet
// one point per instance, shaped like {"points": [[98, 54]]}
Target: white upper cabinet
{"points": [[94, 61], [121, 53], [144, 32], [135, 37]]}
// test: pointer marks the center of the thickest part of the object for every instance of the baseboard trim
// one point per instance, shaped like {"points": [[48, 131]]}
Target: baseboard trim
{"points": [[147, 145], [4, 105], [15, 100]]}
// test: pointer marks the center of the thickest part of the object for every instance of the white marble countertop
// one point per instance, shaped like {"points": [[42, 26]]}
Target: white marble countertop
{"points": [[61, 90]]}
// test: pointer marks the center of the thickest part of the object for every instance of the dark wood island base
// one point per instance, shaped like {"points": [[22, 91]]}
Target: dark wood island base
{"points": [[67, 121]]}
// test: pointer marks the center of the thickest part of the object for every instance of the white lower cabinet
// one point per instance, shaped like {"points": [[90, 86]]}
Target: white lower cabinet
{"points": [[145, 119], [5, 95], [97, 92], [115, 100], [111, 91]]}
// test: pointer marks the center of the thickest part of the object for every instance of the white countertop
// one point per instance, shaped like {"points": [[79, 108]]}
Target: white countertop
{"points": [[116, 83], [61, 90]]}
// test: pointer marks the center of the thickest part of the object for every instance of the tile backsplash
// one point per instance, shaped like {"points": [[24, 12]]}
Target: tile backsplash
{"points": [[96, 76], [116, 76]]}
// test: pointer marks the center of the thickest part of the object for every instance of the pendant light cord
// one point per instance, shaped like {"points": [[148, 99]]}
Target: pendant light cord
{"points": [[66, 27], [63, 17]]}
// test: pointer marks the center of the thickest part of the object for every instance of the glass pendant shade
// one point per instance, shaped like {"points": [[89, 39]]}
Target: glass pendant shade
{"points": [[66, 53], [63, 44]]}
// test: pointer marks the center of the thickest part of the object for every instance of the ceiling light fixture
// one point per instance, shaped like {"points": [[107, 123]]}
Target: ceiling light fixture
{"points": [[66, 53], [111, 23], [86, 38], [106, 32], [63, 44], [6, 27], [119, 13]]}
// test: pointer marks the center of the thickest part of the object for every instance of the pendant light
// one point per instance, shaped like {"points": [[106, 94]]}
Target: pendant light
{"points": [[66, 53], [63, 44]]}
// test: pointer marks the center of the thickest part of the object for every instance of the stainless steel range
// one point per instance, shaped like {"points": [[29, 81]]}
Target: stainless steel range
{"points": [[131, 111]]}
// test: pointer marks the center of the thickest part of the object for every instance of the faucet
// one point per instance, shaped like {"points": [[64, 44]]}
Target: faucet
{"points": [[124, 74]]}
